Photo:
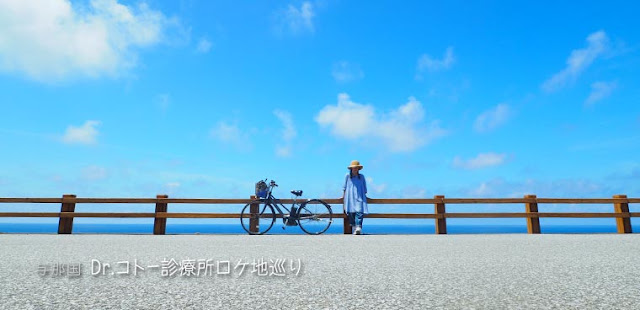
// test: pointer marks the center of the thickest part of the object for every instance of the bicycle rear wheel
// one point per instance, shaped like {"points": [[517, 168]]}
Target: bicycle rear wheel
{"points": [[315, 216], [257, 217]]}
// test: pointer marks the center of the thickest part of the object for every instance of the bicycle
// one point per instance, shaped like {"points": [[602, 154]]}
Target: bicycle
{"points": [[314, 216]]}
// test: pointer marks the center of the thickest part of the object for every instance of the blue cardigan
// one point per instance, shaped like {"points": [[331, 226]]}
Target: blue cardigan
{"points": [[355, 199]]}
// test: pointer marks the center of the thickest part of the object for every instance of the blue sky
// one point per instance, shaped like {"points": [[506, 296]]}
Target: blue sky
{"points": [[111, 98]]}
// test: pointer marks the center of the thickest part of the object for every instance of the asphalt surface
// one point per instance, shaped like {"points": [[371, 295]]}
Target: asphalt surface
{"points": [[511, 271]]}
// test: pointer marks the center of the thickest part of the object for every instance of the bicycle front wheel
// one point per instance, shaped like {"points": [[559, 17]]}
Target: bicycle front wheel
{"points": [[257, 217], [315, 216]]}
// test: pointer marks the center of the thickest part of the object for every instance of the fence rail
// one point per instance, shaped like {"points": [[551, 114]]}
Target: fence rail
{"points": [[68, 202], [330, 201]]}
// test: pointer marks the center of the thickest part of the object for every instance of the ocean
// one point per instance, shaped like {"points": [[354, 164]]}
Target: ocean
{"points": [[336, 228]]}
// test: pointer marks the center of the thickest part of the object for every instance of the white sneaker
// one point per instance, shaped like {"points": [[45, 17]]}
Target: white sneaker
{"points": [[358, 230]]}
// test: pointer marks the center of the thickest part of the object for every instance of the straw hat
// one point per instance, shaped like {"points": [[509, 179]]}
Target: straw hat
{"points": [[355, 164]]}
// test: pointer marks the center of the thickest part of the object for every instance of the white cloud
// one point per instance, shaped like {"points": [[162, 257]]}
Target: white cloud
{"points": [[296, 20], [231, 134], [171, 188], [85, 134], [347, 119], [485, 188], [283, 151], [225, 132], [414, 192], [288, 133], [492, 118], [483, 160], [344, 71], [560, 188], [289, 130], [599, 91], [400, 130], [375, 187], [578, 61], [428, 63], [204, 46], [93, 173], [54, 40]]}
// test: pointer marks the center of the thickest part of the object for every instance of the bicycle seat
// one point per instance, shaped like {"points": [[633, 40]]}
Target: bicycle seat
{"points": [[297, 193]]}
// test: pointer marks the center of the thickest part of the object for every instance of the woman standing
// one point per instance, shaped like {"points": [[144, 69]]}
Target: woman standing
{"points": [[355, 196]]}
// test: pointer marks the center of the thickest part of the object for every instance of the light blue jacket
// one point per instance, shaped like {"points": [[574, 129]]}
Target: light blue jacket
{"points": [[355, 194]]}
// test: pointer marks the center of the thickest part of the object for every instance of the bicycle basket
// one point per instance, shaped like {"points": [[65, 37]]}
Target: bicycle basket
{"points": [[261, 189]]}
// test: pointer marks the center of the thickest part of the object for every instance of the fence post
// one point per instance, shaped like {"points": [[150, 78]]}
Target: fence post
{"points": [[254, 224], [623, 223], [441, 221], [347, 229], [65, 225], [347, 226], [160, 223], [533, 223]]}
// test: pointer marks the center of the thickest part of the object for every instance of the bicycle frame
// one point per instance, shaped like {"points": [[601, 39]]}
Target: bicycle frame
{"points": [[275, 202]]}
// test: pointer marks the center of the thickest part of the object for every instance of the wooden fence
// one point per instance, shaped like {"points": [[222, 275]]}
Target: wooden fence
{"points": [[68, 203]]}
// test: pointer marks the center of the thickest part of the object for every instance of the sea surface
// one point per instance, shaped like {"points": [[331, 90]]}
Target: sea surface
{"points": [[92, 228]]}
